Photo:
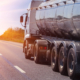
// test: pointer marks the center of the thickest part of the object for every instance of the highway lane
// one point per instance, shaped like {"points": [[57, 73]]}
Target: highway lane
{"points": [[14, 66]]}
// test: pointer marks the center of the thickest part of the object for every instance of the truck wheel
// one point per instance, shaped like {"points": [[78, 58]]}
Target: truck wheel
{"points": [[54, 59], [62, 61], [24, 47], [48, 57], [71, 63], [36, 53], [27, 55]]}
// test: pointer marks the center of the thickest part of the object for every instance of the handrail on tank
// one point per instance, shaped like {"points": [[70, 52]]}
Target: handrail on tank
{"points": [[55, 2]]}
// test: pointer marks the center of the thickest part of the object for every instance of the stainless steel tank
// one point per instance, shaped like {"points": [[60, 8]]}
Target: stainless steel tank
{"points": [[61, 18]]}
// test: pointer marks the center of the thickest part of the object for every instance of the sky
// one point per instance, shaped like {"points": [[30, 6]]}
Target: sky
{"points": [[10, 12]]}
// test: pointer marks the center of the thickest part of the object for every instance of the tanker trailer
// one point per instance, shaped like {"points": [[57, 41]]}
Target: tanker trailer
{"points": [[57, 35]]}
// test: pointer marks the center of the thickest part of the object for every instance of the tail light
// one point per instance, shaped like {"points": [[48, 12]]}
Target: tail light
{"points": [[42, 48]]}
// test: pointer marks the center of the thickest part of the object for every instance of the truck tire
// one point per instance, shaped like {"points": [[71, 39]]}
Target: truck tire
{"points": [[24, 47], [27, 55], [48, 58], [36, 53], [54, 59], [71, 63], [62, 61], [27, 52]]}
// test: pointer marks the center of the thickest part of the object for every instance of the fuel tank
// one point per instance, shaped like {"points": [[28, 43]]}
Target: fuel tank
{"points": [[60, 18]]}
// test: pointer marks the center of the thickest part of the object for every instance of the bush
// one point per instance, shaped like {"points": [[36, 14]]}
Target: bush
{"points": [[16, 34]]}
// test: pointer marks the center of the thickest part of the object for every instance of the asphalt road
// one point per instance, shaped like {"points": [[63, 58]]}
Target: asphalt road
{"points": [[14, 66]]}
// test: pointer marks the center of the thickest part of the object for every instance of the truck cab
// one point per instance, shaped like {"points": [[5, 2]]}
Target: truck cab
{"points": [[31, 31]]}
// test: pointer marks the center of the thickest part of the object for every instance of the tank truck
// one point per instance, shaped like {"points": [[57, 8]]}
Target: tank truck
{"points": [[52, 34]]}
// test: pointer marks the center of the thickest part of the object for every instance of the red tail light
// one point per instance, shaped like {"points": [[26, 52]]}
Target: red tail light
{"points": [[45, 48], [42, 48]]}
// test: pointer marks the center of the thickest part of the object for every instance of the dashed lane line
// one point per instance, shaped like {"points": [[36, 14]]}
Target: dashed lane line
{"points": [[16, 67], [19, 69]]}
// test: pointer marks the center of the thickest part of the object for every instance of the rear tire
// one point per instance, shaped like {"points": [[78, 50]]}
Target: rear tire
{"points": [[27, 53], [54, 59], [62, 61], [36, 53], [24, 47], [71, 63]]}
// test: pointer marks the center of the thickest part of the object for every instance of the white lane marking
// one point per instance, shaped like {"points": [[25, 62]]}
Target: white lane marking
{"points": [[0, 54], [16, 68], [19, 69]]}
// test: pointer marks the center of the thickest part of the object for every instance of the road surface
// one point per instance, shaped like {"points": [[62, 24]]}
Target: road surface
{"points": [[14, 66]]}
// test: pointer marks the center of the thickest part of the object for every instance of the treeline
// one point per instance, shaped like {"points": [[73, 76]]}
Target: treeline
{"points": [[16, 34]]}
